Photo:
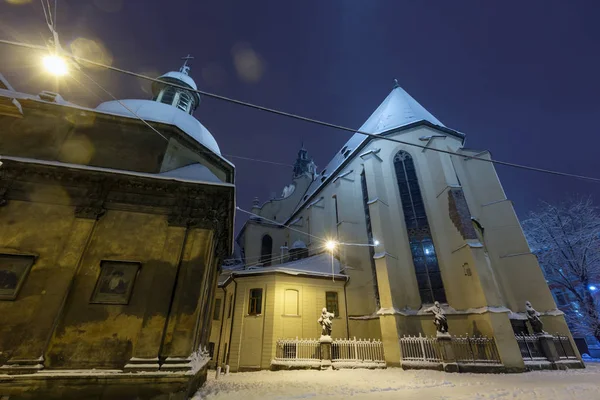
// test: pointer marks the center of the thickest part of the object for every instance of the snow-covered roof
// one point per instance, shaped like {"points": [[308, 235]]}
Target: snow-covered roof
{"points": [[165, 113], [319, 265], [192, 172], [397, 110], [181, 77], [298, 244]]}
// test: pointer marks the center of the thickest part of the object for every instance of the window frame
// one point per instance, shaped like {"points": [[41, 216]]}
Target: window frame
{"points": [[285, 305], [21, 280], [335, 312], [420, 239], [255, 302], [217, 309]]}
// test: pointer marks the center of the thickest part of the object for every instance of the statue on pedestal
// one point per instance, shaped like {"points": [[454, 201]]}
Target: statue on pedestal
{"points": [[439, 318], [534, 319], [325, 321]]}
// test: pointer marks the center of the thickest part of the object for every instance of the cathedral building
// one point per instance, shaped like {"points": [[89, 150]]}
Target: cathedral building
{"points": [[411, 226], [111, 244]]}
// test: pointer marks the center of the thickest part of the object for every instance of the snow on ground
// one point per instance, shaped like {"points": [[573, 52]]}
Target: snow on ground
{"points": [[394, 383]]}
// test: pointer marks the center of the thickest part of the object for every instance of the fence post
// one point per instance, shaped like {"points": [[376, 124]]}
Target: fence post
{"points": [[422, 342], [355, 349]]}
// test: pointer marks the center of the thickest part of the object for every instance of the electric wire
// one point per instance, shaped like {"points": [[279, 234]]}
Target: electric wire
{"points": [[81, 61]]}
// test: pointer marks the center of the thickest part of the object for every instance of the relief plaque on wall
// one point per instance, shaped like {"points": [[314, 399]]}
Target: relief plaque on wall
{"points": [[13, 271], [115, 283]]}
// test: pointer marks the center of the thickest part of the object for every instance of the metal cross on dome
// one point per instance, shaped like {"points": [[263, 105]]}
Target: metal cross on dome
{"points": [[185, 68]]}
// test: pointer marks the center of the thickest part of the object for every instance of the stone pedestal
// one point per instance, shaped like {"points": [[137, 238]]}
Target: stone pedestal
{"points": [[448, 357], [548, 347], [325, 345]]}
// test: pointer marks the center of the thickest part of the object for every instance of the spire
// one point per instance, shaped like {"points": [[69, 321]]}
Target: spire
{"points": [[185, 68], [303, 165]]}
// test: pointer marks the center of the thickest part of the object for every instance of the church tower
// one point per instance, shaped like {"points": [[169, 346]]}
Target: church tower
{"points": [[304, 165]]}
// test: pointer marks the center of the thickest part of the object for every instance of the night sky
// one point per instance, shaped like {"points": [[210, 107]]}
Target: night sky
{"points": [[521, 79]]}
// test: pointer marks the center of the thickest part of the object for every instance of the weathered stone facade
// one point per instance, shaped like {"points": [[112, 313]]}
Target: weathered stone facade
{"points": [[124, 259]]}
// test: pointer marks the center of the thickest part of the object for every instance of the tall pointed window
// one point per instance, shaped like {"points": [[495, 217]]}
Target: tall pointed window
{"points": [[422, 248], [266, 249]]}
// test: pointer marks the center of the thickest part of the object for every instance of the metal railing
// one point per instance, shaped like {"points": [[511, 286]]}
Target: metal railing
{"points": [[362, 350], [420, 348], [298, 350], [564, 347], [475, 350], [530, 347], [466, 350]]}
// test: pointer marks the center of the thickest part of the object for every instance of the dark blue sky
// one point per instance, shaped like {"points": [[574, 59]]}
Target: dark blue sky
{"points": [[519, 78]]}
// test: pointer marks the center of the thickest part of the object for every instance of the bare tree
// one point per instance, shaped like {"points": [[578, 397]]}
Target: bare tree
{"points": [[566, 240]]}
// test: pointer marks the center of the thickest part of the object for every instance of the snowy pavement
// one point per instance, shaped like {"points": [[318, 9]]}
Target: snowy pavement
{"points": [[394, 383]]}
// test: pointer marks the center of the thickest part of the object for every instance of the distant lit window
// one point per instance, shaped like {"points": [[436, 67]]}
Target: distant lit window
{"points": [[217, 310], [255, 303], [331, 300]]}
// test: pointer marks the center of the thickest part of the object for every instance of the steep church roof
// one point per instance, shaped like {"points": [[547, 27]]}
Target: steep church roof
{"points": [[397, 110]]}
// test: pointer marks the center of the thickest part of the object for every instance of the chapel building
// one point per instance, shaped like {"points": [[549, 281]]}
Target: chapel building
{"points": [[111, 242]]}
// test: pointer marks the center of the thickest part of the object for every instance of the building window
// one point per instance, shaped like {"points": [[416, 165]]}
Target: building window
{"points": [[255, 303], [168, 95], [13, 271], [429, 278], [290, 302], [335, 205], [230, 306], [217, 310], [211, 350], [266, 250], [184, 102], [331, 300], [115, 282], [365, 196]]}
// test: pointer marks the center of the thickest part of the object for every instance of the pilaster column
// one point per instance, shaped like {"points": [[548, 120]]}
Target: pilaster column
{"points": [[29, 355], [384, 260], [147, 346]]}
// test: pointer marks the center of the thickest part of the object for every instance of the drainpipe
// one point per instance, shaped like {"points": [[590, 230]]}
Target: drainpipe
{"points": [[232, 316], [346, 307], [221, 328]]}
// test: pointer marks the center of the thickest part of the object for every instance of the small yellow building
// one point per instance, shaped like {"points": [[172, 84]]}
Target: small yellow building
{"points": [[255, 307]]}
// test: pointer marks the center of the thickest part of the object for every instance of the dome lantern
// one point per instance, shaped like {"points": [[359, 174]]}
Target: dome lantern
{"points": [[185, 100]]}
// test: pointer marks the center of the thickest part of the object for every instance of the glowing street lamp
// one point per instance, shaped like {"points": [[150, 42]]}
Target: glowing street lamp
{"points": [[55, 65], [330, 245], [593, 288]]}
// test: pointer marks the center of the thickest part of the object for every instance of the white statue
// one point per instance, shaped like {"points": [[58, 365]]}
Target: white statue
{"points": [[439, 318], [534, 319], [325, 321]]}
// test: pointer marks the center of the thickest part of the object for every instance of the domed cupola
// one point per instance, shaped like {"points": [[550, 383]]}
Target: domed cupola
{"points": [[185, 100]]}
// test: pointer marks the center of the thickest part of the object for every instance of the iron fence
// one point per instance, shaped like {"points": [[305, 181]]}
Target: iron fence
{"points": [[298, 349], [530, 347], [420, 348], [362, 350], [475, 350]]}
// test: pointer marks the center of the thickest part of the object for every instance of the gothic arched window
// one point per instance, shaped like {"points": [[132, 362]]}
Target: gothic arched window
{"points": [[429, 278], [266, 250]]}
